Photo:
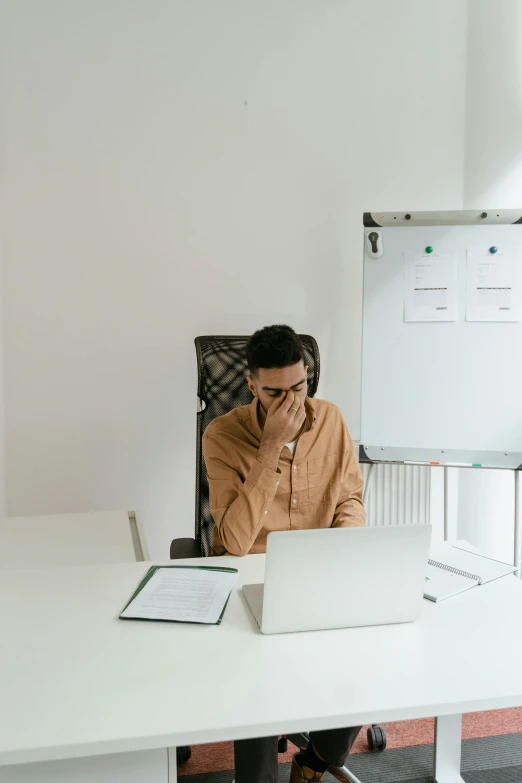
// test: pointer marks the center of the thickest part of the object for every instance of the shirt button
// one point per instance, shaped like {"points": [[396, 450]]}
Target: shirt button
{"points": [[277, 484], [295, 468], [266, 512], [294, 501]]}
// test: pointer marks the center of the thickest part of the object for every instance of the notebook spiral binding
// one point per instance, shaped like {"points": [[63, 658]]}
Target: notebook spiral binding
{"points": [[455, 570]]}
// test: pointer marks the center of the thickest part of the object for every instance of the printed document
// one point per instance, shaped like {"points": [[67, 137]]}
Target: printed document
{"points": [[191, 595], [494, 285], [430, 281]]}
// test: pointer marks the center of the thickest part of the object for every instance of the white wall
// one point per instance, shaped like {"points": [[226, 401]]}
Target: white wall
{"points": [[2, 386], [493, 171], [187, 167], [2, 377], [493, 179]]}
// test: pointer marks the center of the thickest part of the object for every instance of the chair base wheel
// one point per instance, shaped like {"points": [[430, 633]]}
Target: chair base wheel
{"points": [[183, 754], [376, 739], [282, 745]]}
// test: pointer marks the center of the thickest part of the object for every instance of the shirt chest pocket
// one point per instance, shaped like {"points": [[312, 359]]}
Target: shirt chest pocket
{"points": [[322, 477]]}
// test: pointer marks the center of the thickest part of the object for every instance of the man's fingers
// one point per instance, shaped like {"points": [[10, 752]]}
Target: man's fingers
{"points": [[292, 402], [278, 402]]}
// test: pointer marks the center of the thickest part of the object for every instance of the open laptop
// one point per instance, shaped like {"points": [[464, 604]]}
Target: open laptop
{"points": [[341, 577]]}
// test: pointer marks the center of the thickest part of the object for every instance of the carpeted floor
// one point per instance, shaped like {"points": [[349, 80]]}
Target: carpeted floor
{"points": [[484, 760], [414, 741]]}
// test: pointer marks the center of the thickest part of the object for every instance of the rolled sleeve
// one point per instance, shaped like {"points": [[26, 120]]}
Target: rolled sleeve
{"points": [[350, 511], [238, 504], [263, 479]]}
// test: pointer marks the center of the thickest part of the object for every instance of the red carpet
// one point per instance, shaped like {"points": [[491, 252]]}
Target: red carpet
{"points": [[219, 755]]}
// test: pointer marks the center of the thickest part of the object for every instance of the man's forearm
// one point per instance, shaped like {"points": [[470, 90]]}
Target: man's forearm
{"points": [[351, 513], [240, 521], [268, 454]]}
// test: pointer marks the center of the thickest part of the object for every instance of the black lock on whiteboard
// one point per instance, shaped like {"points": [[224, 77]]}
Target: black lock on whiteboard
{"points": [[374, 244]]}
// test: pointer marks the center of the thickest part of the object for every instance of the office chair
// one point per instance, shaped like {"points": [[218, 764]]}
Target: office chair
{"points": [[222, 369]]}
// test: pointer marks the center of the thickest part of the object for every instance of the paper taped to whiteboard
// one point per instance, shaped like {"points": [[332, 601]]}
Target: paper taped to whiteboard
{"points": [[494, 290], [430, 287]]}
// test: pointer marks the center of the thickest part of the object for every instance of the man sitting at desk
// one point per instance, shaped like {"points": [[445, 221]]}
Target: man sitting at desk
{"points": [[284, 462]]}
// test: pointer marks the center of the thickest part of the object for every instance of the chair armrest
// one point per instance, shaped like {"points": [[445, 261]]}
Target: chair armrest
{"points": [[182, 548]]}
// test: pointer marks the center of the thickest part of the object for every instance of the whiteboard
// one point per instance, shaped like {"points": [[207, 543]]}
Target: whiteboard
{"points": [[447, 392]]}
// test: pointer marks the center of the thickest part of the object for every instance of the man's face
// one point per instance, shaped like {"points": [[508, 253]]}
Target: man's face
{"points": [[270, 384]]}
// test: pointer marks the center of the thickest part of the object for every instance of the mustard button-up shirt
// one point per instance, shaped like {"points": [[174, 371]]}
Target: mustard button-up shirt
{"points": [[319, 486]]}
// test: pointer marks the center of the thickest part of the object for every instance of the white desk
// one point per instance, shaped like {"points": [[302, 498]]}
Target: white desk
{"points": [[52, 540], [76, 682]]}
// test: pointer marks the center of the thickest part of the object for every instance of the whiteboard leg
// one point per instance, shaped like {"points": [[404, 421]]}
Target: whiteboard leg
{"points": [[517, 561], [173, 765], [368, 483], [447, 749], [451, 503], [446, 501]]}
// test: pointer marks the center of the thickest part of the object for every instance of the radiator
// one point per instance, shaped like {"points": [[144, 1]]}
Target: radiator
{"points": [[399, 494]]}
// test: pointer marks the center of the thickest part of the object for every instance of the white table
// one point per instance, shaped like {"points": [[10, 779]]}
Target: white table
{"points": [[51, 540], [78, 684]]}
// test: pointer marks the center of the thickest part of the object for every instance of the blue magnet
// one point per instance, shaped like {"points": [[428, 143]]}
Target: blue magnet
{"points": [[493, 249]]}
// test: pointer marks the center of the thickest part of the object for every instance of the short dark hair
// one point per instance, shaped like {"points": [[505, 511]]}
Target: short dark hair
{"points": [[274, 346]]}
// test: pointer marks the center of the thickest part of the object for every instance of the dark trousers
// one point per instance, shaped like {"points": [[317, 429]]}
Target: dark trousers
{"points": [[256, 759]]}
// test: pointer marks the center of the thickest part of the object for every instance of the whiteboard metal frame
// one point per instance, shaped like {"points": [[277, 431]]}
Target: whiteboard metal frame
{"points": [[458, 217]]}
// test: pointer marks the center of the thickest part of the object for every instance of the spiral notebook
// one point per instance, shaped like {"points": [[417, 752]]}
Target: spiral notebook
{"points": [[454, 568]]}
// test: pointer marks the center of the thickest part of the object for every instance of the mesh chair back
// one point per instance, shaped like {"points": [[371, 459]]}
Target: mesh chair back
{"points": [[222, 369]]}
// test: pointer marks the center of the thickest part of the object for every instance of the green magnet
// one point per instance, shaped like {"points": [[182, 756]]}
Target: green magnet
{"points": [[429, 249]]}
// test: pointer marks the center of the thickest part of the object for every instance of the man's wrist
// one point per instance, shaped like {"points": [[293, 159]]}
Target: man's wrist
{"points": [[268, 454], [271, 446]]}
